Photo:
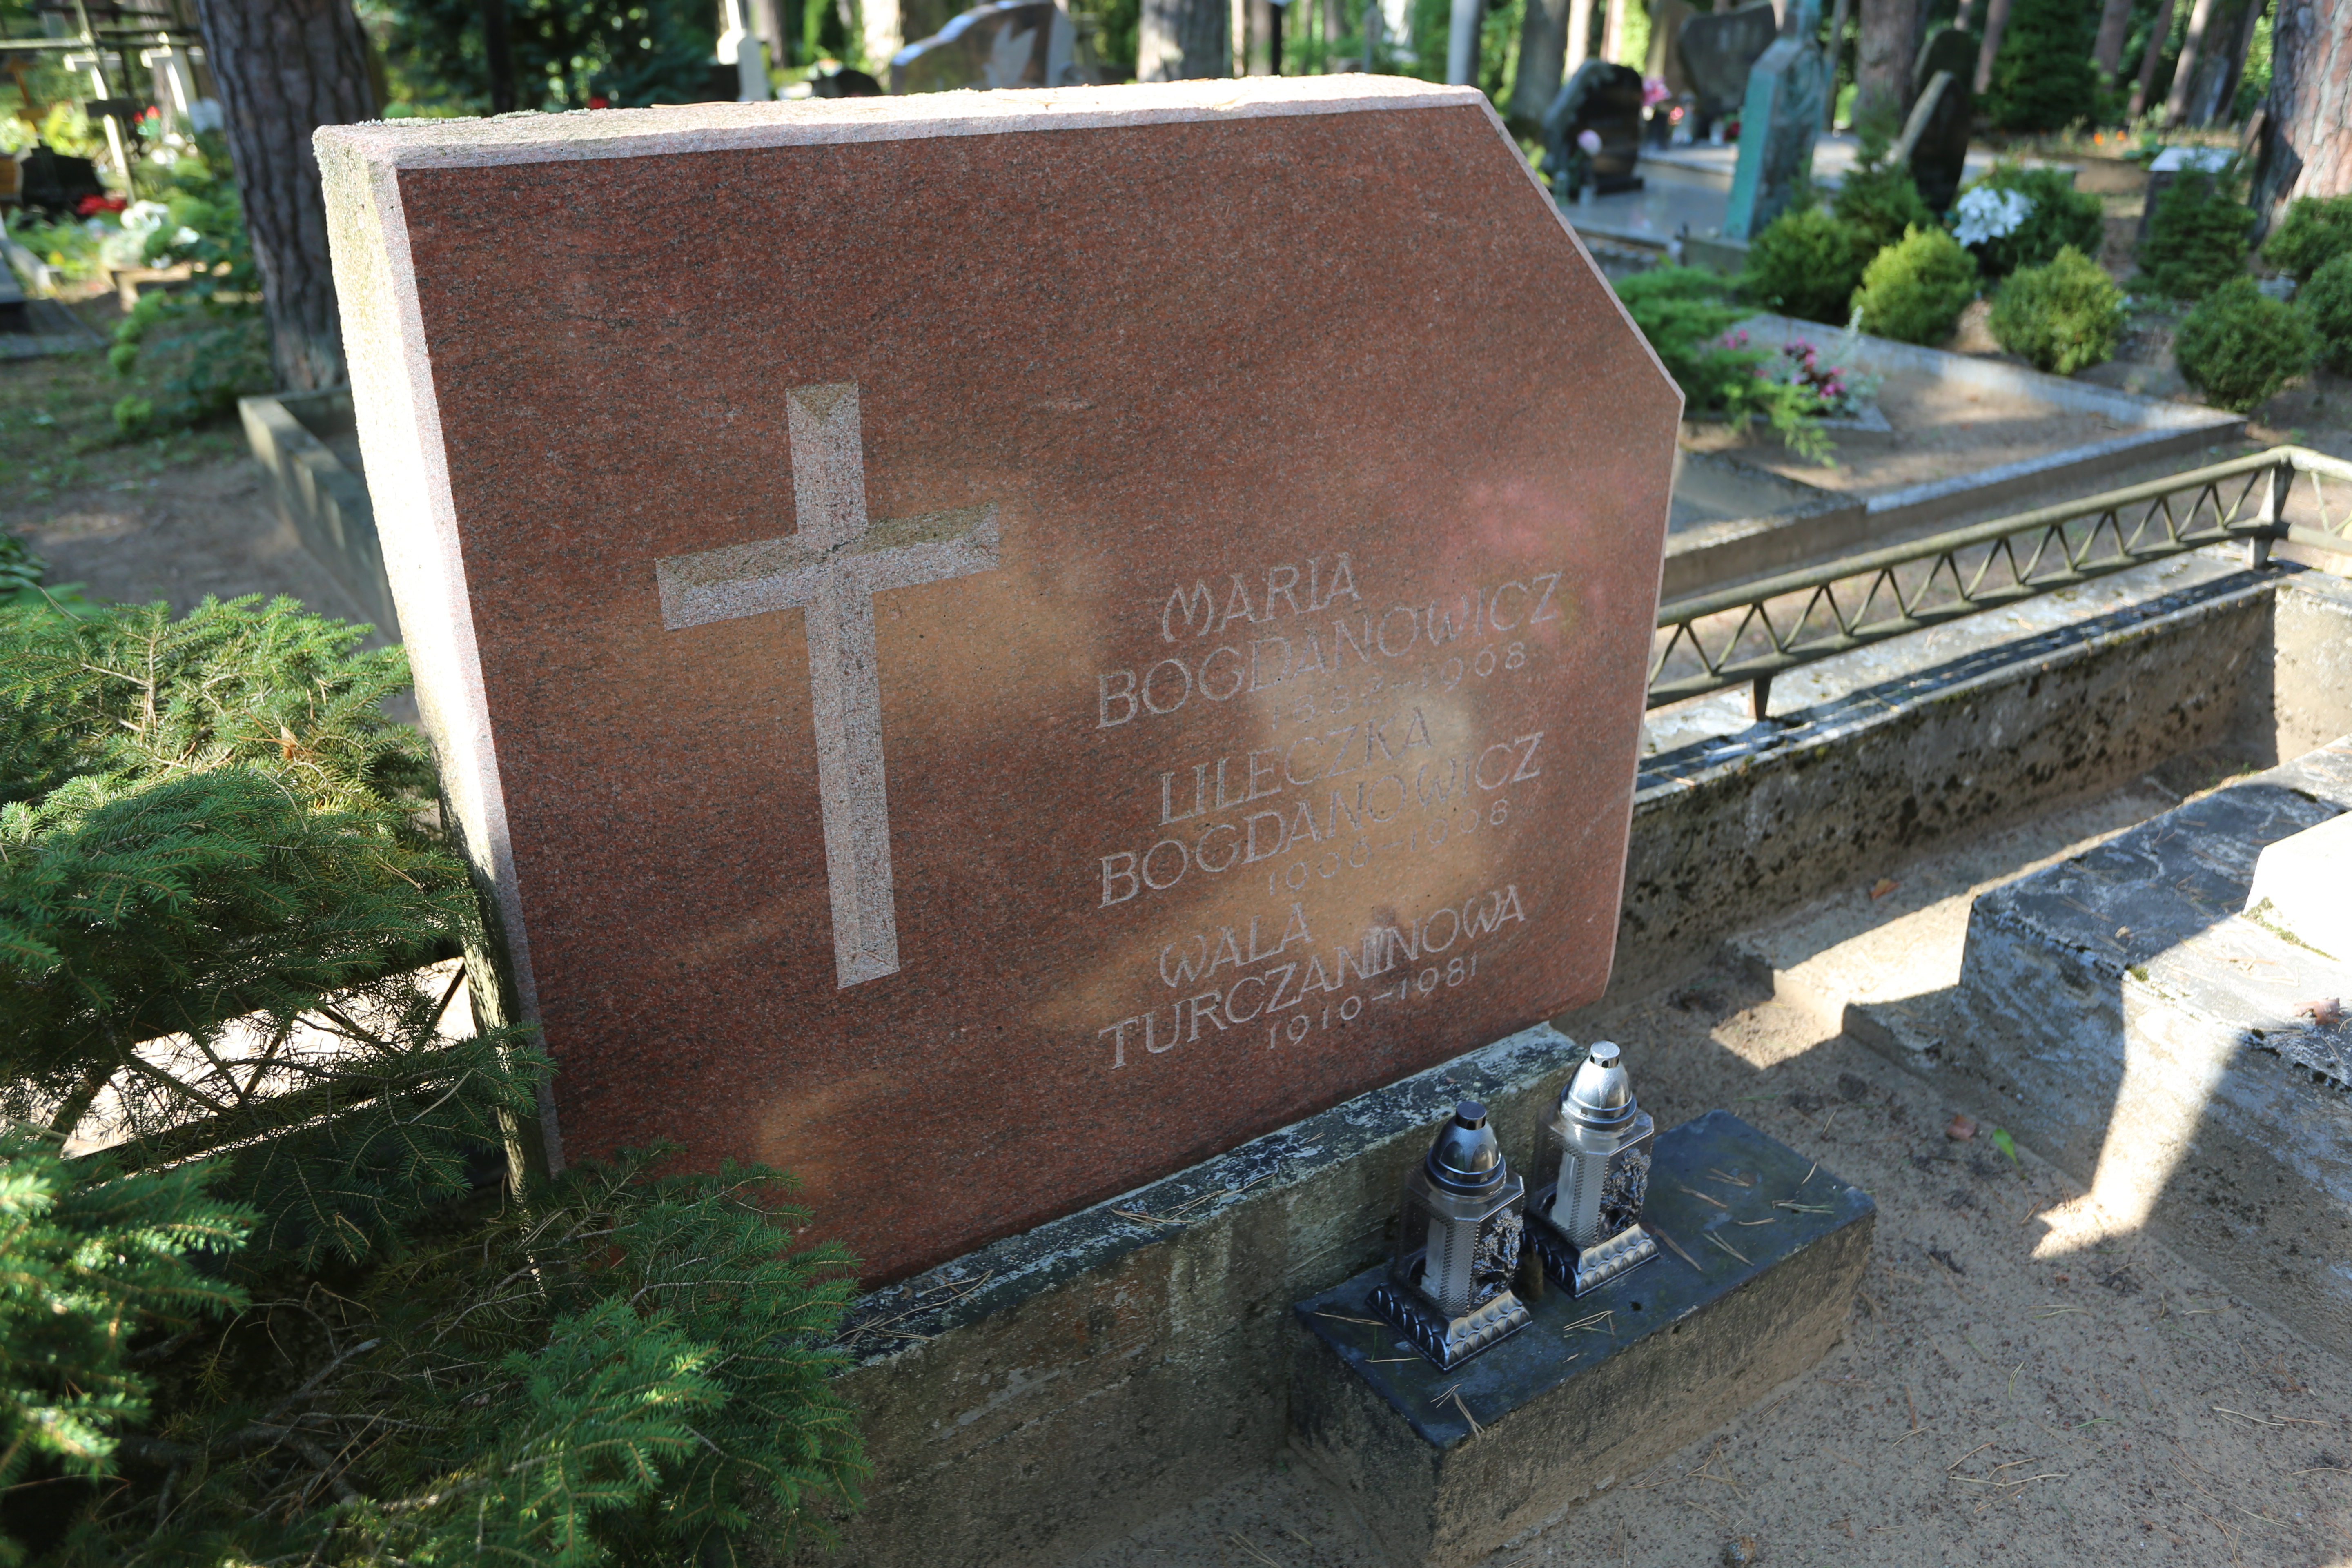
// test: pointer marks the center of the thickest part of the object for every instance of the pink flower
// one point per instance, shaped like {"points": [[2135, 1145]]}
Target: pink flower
{"points": [[1590, 140]]}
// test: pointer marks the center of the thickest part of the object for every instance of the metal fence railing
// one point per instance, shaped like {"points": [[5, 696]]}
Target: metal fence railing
{"points": [[1745, 635]]}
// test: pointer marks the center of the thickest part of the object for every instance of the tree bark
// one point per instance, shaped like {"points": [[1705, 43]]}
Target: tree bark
{"points": [[2151, 60], [1181, 40], [1995, 24], [2233, 68], [1889, 39], [1580, 36], [2184, 69], [1543, 59], [284, 68], [2107, 53], [2307, 136], [1612, 30]]}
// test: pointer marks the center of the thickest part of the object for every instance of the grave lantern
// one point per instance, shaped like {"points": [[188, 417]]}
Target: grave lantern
{"points": [[1586, 1224], [1457, 1251]]}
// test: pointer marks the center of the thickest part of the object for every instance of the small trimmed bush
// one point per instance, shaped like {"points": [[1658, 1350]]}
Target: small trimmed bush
{"points": [[2196, 235], [2327, 301], [2065, 316], [1807, 264], [2315, 232], [1914, 292], [2059, 215], [2240, 346]]}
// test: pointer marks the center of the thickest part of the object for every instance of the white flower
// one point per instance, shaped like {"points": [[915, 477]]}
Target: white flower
{"points": [[145, 217], [1988, 214]]}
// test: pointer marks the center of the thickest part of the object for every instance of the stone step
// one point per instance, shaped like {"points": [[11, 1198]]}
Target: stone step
{"points": [[2092, 982], [2120, 1012]]}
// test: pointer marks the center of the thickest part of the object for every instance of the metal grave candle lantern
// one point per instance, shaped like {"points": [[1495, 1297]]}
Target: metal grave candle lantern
{"points": [[1586, 1226], [1457, 1252]]}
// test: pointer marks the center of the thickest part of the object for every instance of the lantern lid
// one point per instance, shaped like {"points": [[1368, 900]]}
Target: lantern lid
{"points": [[1467, 1157], [1600, 1094]]}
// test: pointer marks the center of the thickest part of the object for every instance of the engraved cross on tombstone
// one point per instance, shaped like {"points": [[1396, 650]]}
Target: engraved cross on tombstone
{"points": [[830, 571]]}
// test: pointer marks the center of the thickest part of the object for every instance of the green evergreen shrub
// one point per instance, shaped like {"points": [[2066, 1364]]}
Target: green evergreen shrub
{"points": [[2314, 231], [1914, 292], [1807, 263], [2240, 346], [1879, 198], [2327, 301], [1687, 315], [2043, 78], [209, 828], [2064, 316], [2061, 215], [2196, 235], [93, 1256]]}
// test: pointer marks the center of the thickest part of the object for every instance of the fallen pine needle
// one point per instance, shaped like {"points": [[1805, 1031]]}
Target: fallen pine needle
{"points": [[1913, 1433], [1388, 1360], [1728, 1176], [2257, 1420], [1342, 1317], [2332, 1469], [1728, 1248], [2058, 1311], [1243, 1543], [1773, 1221], [1704, 1198], [1677, 1246], [1980, 1448], [1582, 1323], [1809, 1172], [1803, 1208]]}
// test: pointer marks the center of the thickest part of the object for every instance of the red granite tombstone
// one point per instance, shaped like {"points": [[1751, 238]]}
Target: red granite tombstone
{"points": [[987, 647]]}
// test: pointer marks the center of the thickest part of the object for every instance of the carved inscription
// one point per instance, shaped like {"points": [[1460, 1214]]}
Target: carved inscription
{"points": [[1373, 760]]}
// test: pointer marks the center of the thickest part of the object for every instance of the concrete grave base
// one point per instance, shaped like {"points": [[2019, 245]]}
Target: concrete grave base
{"points": [[1051, 1392], [1443, 1469]]}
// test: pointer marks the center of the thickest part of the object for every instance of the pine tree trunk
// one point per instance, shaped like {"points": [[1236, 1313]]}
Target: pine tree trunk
{"points": [[2307, 137], [286, 67], [2150, 61], [1180, 41], [1543, 60], [1995, 24], [2233, 66], [1889, 38], [2184, 69], [2107, 53]]}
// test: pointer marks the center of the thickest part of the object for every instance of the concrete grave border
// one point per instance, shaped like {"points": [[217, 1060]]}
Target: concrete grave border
{"points": [[1721, 553]]}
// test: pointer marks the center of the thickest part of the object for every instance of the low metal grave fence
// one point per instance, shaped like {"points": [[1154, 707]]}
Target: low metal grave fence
{"points": [[1745, 635]]}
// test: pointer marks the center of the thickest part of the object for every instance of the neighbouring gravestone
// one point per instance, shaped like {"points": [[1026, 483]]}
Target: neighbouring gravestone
{"points": [[1778, 120], [1011, 43], [1934, 140], [1605, 99], [1718, 49], [989, 707]]}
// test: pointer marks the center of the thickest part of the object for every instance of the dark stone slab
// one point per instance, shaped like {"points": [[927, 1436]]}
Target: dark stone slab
{"points": [[1717, 51], [1605, 99], [904, 710], [1008, 43], [1936, 138], [1444, 1467]]}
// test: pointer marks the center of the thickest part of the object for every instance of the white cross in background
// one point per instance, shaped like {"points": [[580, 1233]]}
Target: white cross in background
{"points": [[830, 570]]}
